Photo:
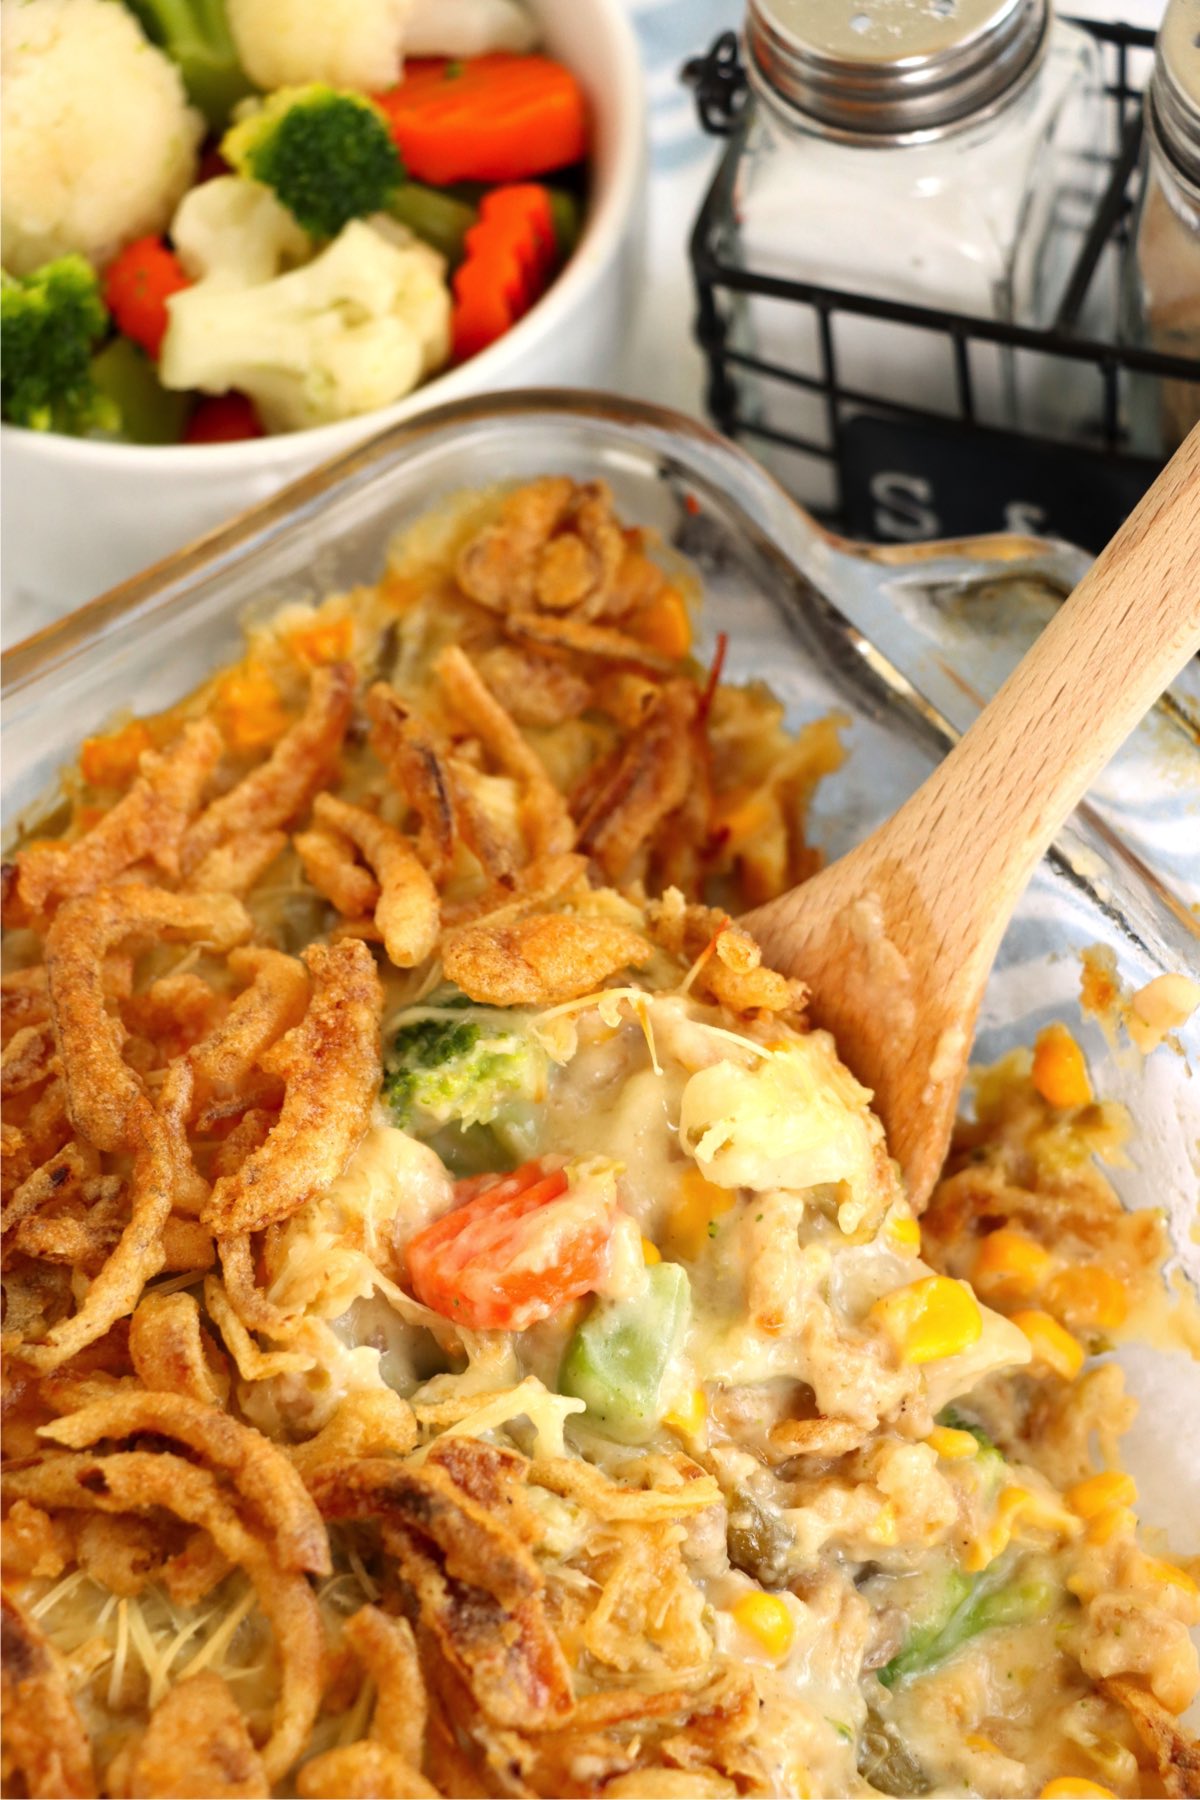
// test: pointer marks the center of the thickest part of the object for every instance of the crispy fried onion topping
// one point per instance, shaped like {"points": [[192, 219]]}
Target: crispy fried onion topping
{"points": [[105, 1098], [262, 1473], [161, 1167], [331, 1064], [60, 1178], [540, 959], [274, 999], [27, 1059], [538, 687], [140, 1482], [145, 826], [557, 557], [370, 1422], [327, 858], [479, 1593], [362, 1771], [441, 790], [1175, 1751], [44, 1741], [280, 789], [687, 1738], [650, 780], [554, 546], [546, 823], [387, 1761], [406, 910], [234, 867], [726, 961], [173, 1353], [239, 1306], [196, 1744]]}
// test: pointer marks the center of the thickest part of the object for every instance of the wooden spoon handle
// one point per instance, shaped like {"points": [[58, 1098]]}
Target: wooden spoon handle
{"points": [[1101, 662]]}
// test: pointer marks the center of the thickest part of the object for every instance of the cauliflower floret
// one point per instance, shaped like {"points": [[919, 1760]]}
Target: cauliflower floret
{"points": [[797, 1119], [236, 233], [348, 43], [98, 142], [467, 28], [352, 330]]}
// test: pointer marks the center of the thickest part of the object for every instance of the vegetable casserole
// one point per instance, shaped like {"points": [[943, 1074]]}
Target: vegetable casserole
{"points": [[463, 1332]]}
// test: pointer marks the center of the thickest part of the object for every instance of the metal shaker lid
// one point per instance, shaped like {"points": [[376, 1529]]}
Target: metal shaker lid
{"points": [[892, 71], [1173, 97]]}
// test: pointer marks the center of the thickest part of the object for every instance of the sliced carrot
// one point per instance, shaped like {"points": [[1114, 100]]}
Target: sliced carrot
{"points": [[111, 761], [663, 623], [491, 118], [223, 419], [137, 285], [515, 1250], [509, 262], [324, 641], [251, 711]]}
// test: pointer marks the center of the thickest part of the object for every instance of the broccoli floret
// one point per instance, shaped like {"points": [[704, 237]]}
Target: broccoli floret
{"points": [[967, 1605], [49, 322], [195, 34], [327, 155], [445, 1068]]}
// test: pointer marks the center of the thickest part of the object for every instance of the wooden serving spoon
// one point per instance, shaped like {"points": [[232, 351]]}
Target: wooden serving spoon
{"points": [[896, 940]]}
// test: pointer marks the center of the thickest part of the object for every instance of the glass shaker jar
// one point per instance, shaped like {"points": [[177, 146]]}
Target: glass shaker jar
{"points": [[1163, 278], [916, 150]]}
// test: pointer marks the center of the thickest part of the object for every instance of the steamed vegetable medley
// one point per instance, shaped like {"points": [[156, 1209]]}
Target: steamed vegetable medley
{"points": [[229, 217], [464, 1331]]}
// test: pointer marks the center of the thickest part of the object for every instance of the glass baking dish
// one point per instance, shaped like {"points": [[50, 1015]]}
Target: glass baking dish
{"points": [[903, 642]]}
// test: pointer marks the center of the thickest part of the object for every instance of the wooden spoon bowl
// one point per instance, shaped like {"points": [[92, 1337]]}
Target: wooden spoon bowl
{"points": [[897, 939]]}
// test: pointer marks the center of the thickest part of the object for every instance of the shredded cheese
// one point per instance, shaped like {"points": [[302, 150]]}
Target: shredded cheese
{"points": [[532, 1400]]}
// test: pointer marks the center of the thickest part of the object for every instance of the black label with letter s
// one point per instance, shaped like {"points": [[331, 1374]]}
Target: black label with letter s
{"points": [[904, 480]]}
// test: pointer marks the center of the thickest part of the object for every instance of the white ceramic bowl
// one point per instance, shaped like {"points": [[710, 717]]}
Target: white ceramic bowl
{"points": [[79, 516]]}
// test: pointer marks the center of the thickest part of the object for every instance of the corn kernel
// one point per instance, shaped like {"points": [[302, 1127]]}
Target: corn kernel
{"points": [[1044, 1512], [983, 1550], [1168, 1575], [929, 1319], [975, 1740], [700, 1202], [1017, 1505], [1099, 1492], [1075, 1787], [904, 1235], [951, 1445], [689, 1415], [651, 1253], [1117, 1521], [767, 1618], [883, 1528], [799, 1781], [1059, 1071], [1010, 1267], [1085, 1298], [1051, 1345]]}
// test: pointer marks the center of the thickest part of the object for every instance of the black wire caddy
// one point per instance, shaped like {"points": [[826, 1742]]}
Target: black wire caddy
{"points": [[899, 471]]}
